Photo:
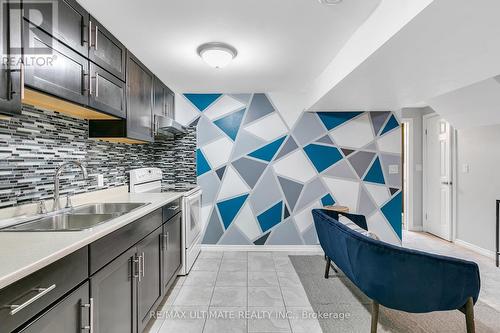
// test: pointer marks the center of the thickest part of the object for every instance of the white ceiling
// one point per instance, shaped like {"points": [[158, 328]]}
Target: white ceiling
{"points": [[449, 45], [283, 45]]}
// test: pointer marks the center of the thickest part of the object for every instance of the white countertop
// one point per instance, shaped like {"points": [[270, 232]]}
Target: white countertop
{"points": [[22, 253]]}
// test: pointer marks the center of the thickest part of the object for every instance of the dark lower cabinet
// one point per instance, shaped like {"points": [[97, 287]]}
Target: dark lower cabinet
{"points": [[149, 286], [10, 70], [171, 248], [70, 315], [107, 93], [113, 290], [61, 72]]}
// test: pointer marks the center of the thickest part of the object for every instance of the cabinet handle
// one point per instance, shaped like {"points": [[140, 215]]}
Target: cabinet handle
{"points": [[140, 268], [15, 308], [143, 264], [165, 241], [96, 79], [174, 207], [136, 267], [90, 306], [90, 34], [95, 39], [22, 80]]}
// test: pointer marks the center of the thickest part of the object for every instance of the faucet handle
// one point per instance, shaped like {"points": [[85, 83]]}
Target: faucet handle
{"points": [[68, 201], [40, 208]]}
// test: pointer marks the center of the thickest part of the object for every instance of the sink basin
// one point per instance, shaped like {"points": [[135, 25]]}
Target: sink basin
{"points": [[78, 218], [107, 208], [62, 222]]}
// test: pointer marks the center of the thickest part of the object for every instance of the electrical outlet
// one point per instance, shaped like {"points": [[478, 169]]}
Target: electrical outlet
{"points": [[393, 169], [100, 180]]}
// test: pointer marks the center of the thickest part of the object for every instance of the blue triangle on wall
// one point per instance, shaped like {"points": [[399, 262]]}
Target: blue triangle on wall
{"points": [[334, 119], [267, 152], [202, 101], [270, 217], [202, 165], [228, 209], [391, 124], [392, 211], [321, 156], [375, 174], [231, 124], [327, 200]]}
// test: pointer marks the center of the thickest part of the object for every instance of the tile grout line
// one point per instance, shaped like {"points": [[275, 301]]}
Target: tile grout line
{"points": [[282, 296], [212, 295]]}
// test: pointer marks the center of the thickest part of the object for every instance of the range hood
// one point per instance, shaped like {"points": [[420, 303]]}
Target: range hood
{"points": [[168, 126]]}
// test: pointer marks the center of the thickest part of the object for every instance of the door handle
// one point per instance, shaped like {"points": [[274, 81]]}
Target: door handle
{"points": [[15, 308], [90, 306], [447, 183]]}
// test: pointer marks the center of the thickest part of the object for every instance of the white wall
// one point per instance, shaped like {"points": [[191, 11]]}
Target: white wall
{"points": [[478, 189]]}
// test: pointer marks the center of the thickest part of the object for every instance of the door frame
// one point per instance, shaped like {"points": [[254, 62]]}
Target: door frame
{"points": [[453, 166], [408, 171]]}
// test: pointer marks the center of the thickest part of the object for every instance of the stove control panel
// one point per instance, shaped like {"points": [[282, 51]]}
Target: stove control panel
{"points": [[144, 175]]}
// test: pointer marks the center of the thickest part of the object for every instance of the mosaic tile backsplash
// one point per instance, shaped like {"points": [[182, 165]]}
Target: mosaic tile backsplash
{"points": [[35, 143]]}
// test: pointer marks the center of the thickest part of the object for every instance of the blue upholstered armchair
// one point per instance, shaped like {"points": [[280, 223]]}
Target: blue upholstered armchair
{"points": [[396, 277]]}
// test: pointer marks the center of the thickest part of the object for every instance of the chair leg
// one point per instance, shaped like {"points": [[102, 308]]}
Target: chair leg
{"points": [[327, 267], [375, 307], [469, 315]]}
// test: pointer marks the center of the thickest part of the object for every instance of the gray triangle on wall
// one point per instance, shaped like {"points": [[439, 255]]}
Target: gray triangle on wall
{"points": [[289, 146], [260, 106], [285, 233], [233, 236], [214, 229]]}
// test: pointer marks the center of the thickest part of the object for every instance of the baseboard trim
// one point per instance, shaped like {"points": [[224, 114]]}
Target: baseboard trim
{"points": [[475, 248], [285, 248], [416, 229]]}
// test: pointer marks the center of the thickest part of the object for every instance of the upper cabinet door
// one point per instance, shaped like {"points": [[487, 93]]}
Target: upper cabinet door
{"points": [[139, 100], [106, 50], [107, 93], [58, 70], [10, 71], [65, 20], [170, 103], [159, 97]]}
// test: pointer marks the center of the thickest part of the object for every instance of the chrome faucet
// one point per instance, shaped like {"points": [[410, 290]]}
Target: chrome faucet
{"points": [[57, 200]]}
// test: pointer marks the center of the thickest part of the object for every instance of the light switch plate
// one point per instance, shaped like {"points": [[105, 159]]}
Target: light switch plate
{"points": [[393, 169], [465, 168]]}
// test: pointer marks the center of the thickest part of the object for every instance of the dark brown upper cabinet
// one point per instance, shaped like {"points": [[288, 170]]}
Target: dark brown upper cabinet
{"points": [[61, 72], [159, 97], [71, 26], [105, 50], [139, 100], [10, 71], [107, 93], [163, 99]]}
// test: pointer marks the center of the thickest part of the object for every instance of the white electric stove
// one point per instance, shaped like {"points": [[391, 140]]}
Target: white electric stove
{"points": [[149, 180]]}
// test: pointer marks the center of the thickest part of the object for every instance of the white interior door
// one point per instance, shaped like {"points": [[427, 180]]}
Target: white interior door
{"points": [[437, 177]]}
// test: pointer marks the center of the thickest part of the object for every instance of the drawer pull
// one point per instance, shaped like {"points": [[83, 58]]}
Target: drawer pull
{"points": [[15, 308], [143, 264]]}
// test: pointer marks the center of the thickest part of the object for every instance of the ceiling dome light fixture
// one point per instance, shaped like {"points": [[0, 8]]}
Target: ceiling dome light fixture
{"points": [[217, 54], [330, 2]]}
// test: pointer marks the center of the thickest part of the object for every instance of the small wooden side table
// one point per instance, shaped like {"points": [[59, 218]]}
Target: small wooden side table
{"points": [[338, 208]]}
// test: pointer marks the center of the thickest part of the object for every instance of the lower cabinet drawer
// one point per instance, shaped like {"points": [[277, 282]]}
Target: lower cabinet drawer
{"points": [[27, 297], [70, 315], [104, 250]]}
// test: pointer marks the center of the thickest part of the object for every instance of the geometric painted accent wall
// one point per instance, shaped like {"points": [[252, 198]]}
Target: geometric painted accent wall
{"points": [[261, 179]]}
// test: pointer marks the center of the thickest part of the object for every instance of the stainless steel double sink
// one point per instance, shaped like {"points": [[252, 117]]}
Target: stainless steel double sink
{"points": [[77, 218]]}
